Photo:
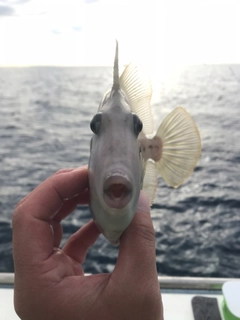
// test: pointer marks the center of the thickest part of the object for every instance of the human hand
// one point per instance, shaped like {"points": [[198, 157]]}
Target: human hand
{"points": [[50, 282]]}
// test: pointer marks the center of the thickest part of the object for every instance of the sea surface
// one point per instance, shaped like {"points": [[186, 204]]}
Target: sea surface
{"points": [[44, 126]]}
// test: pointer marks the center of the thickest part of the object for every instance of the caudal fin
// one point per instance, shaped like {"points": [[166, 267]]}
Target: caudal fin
{"points": [[181, 147]]}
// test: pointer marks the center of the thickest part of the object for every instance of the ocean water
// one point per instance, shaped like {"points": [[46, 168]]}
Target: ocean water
{"points": [[44, 126]]}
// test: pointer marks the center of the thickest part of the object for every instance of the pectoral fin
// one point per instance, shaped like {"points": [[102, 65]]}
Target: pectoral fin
{"points": [[137, 86], [150, 180], [181, 147]]}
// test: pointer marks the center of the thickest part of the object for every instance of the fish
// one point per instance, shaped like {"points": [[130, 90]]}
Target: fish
{"points": [[127, 155]]}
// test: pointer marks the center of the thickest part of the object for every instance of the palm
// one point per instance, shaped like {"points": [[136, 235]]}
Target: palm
{"points": [[64, 265]]}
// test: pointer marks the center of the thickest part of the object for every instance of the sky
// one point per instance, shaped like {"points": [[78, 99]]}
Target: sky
{"points": [[153, 32]]}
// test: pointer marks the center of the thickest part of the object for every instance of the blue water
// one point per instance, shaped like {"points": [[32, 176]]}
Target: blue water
{"points": [[44, 126]]}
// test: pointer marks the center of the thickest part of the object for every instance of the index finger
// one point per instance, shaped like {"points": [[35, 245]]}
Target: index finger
{"points": [[32, 231]]}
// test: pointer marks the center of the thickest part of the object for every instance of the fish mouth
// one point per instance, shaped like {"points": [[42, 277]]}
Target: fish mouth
{"points": [[117, 191]]}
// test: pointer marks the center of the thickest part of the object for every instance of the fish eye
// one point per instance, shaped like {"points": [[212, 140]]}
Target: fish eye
{"points": [[96, 122], [137, 124]]}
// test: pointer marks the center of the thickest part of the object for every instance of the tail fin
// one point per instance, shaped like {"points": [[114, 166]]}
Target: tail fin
{"points": [[181, 147], [116, 83]]}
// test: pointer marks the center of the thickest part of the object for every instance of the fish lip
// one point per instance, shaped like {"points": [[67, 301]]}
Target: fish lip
{"points": [[119, 202]]}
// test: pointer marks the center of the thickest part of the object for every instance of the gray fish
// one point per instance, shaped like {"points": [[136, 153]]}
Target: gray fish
{"points": [[125, 154]]}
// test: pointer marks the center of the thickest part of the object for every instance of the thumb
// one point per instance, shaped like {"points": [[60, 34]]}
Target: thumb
{"points": [[137, 255]]}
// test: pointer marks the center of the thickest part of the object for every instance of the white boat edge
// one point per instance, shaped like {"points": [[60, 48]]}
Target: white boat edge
{"points": [[177, 291], [174, 283]]}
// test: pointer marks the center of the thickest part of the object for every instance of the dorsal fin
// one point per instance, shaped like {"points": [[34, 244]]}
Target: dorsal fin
{"points": [[116, 84]]}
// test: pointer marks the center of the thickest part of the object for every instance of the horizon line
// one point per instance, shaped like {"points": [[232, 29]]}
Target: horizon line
{"points": [[101, 65]]}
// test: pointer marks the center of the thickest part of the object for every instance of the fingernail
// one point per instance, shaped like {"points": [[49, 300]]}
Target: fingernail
{"points": [[143, 203]]}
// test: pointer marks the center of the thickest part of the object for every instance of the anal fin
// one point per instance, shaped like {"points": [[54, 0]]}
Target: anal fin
{"points": [[150, 180]]}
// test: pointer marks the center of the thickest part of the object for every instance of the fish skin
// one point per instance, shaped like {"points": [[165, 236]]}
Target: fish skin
{"points": [[124, 158], [114, 153]]}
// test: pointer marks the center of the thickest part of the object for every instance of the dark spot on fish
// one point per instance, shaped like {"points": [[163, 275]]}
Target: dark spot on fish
{"points": [[107, 118]]}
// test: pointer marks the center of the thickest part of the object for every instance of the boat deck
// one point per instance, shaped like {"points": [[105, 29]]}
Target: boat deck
{"points": [[177, 294]]}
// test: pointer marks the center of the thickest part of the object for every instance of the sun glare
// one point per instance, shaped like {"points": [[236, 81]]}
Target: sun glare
{"points": [[156, 33]]}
